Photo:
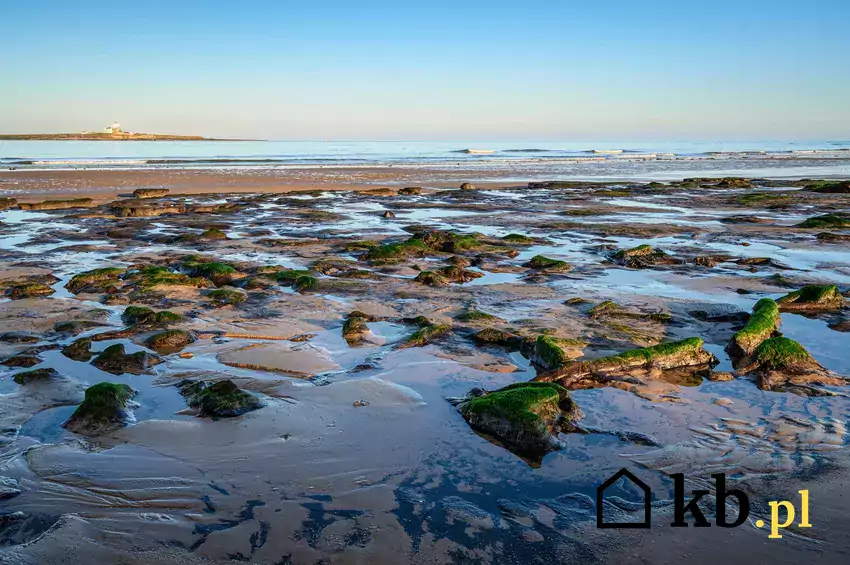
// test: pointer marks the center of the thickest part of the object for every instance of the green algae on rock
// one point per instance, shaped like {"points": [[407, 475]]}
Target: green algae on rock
{"points": [[812, 297], [35, 376], [431, 278], [170, 340], [549, 353], [518, 239], [829, 186], [547, 264], [226, 296], [473, 315], [498, 337], [222, 399], [426, 335], [828, 221], [763, 323], [106, 407], [306, 283], [355, 329], [684, 354], [525, 416], [146, 316], [95, 281], [114, 360], [781, 364], [28, 290], [80, 350]]}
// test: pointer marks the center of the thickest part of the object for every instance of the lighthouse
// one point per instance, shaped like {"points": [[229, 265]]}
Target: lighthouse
{"points": [[113, 129]]}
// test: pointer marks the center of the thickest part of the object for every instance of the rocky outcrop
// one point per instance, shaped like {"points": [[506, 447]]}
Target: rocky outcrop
{"points": [[812, 298], [170, 340], [58, 204], [150, 192], [28, 290], [222, 399], [36, 376], [643, 257], [354, 330], [114, 360], [95, 281], [782, 364], [541, 263], [426, 335], [107, 406], [685, 354], [763, 323], [80, 350], [526, 417]]}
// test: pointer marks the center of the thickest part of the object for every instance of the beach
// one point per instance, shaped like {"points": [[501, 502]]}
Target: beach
{"points": [[292, 352]]}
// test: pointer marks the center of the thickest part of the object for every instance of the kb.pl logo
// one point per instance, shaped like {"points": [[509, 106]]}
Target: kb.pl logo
{"points": [[681, 507]]}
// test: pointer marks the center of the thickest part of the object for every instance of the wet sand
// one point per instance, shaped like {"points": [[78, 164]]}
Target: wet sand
{"points": [[356, 456]]}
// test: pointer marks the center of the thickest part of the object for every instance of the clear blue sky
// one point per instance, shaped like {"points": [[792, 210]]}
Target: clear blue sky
{"points": [[464, 69]]}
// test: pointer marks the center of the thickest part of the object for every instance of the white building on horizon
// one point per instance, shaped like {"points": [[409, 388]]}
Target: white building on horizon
{"points": [[114, 128]]}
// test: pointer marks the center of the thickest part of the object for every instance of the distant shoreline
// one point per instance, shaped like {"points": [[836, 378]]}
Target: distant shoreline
{"points": [[108, 137]]}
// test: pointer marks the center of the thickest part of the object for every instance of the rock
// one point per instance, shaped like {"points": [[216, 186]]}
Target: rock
{"points": [[685, 355], [213, 234], [498, 337], [36, 376], [826, 221], [106, 407], [467, 186], [721, 376], [763, 323], [812, 298], [227, 296], [7, 202], [28, 290], [784, 365], [80, 350], [18, 337], [459, 275], [431, 278], [832, 237], [519, 239], [549, 353], [95, 281], [643, 257], [360, 403], [410, 191], [840, 326], [150, 192], [306, 283], [525, 416], [388, 214], [143, 316], [426, 335], [170, 340], [76, 327], [829, 187], [222, 399], [58, 204], [355, 328], [130, 209], [23, 359], [548, 265], [219, 273], [114, 360], [710, 260]]}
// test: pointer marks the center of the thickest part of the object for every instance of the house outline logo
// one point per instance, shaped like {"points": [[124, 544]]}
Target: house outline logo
{"points": [[600, 495]]}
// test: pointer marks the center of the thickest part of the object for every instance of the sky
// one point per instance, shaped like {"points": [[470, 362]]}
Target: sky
{"points": [[435, 70]]}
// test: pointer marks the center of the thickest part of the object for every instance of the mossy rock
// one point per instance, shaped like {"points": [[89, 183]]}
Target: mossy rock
{"points": [[219, 273], [24, 359], [398, 251], [306, 283], [150, 276], [518, 239], [549, 353], [829, 186], [75, 327], [226, 296], [170, 340], [213, 234], [410, 191], [430, 278], [525, 416], [763, 323], [106, 407], [459, 275], [603, 308], [826, 221], [36, 376], [28, 290], [222, 399], [764, 199], [812, 297], [114, 360], [498, 337], [783, 354], [289, 276], [354, 329], [95, 281], [475, 316], [547, 264], [80, 350], [135, 314], [426, 335]]}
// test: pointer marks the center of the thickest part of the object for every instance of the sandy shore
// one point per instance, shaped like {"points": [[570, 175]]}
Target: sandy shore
{"points": [[102, 184]]}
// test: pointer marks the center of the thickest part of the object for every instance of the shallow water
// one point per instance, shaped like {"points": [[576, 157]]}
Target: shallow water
{"points": [[401, 477]]}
